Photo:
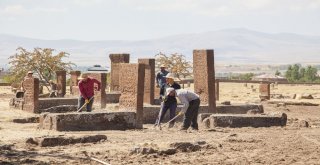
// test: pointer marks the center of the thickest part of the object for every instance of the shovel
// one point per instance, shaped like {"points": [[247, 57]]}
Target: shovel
{"points": [[85, 104]]}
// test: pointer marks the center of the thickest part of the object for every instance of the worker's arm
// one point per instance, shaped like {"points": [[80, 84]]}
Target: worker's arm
{"points": [[184, 102]]}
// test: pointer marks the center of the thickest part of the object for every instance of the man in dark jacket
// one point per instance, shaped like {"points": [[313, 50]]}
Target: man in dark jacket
{"points": [[169, 102]]}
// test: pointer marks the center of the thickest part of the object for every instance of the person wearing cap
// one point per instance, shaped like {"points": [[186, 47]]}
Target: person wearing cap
{"points": [[53, 89], [86, 87], [191, 104], [28, 76], [161, 80], [169, 102]]}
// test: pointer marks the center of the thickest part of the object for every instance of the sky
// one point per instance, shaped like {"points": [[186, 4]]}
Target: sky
{"points": [[91, 20]]}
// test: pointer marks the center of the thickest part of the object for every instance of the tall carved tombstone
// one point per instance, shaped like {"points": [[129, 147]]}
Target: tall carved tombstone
{"points": [[204, 77], [132, 90], [100, 96], [264, 91], [116, 60], [31, 95], [61, 82], [149, 79], [74, 80]]}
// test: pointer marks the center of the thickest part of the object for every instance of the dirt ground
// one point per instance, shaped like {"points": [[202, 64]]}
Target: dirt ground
{"points": [[293, 144]]}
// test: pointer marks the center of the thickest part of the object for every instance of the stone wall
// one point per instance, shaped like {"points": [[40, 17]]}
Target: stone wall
{"points": [[204, 81], [116, 60], [100, 96], [217, 88], [31, 95], [61, 82], [149, 80], [113, 97], [132, 89]]}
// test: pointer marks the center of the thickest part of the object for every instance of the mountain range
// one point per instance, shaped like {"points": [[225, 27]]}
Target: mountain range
{"points": [[231, 46]]}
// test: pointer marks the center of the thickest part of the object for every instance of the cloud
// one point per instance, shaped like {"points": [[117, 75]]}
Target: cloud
{"points": [[18, 10], [14, 10]]}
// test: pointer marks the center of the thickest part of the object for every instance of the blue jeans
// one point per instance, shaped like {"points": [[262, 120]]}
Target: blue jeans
{"points": [[81, 102], [164, 109]]}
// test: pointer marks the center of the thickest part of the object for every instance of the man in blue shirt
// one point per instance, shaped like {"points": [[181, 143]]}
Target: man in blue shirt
{"points": [[161, 79]]}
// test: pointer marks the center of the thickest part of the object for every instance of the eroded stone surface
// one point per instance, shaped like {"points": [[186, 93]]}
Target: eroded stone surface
{"points": [[31, 95], [265, 91], [149, 80], [61, 82], [92, 121], [204, 81], [116, 60], [132, 90]]}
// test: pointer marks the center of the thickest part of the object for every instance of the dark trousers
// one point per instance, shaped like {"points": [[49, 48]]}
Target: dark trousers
{"points": [[164, 108], [162, 90], [190, 117], [81, 102]]}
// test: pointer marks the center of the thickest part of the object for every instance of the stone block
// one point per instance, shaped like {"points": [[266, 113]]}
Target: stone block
{"points": [[217, 88], [61, 109], [116, 60], [100, 96], [113, 97], [31, 95], [265, 91], [61, 82], [132, 90], [245, 120], [92, 121], [149, 80], [74, 79], [204, 79], [45, 103]]}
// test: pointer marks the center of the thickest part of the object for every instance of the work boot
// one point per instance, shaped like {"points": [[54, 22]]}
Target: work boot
{"points": [[195, 129], [183, 129]]}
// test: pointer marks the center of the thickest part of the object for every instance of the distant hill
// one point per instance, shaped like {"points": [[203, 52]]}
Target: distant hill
{"points": [[234, 46]]}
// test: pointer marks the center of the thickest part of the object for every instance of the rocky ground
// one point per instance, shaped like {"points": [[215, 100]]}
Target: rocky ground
{"points": [[297, 143]]}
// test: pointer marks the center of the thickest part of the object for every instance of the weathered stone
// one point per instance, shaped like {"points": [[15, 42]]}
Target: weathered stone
{"points": [[61, 141], [113, 97], [293, 103], [226, 103], [92, 121], [100, 96], [74, 80], [265, 91], [27, 120], [150, 113], [233, 120], [61, 109], [306, 96], [31, 95], [116, 60], [204, 80], [132, 90], [45, 103], [61, 82], [149, 80], [217, 88]]}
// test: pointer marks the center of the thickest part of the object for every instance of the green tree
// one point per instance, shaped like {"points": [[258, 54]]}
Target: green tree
{"points": [[41, 61], [277, 73], [289, 73], [310, 74]]}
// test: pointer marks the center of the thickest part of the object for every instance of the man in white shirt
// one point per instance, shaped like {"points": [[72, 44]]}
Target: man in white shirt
{"points": [[190, 109]]}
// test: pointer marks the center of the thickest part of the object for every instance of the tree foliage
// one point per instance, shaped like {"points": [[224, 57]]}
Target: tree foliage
{"points": [[41, 61], [176, 64], [297, 73]]}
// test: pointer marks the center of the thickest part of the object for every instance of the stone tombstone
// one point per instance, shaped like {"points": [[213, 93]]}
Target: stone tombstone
{"points": [[61, 82], [149, 79], [204, 79], [265, 90], [217, 88], [74, 79], [31, 95], [100, 96], [116, 60], [132, 90]]}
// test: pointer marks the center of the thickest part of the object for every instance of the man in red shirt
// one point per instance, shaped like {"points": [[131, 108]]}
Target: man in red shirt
{"points": [[86, 87]]}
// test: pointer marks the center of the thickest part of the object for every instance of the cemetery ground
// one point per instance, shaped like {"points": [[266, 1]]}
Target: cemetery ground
{"points": [[296, 143]]}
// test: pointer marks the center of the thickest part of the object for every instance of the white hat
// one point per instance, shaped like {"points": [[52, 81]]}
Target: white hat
{"points": [[163, 66], [168, 90], [170, 75], [83, 76]]}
